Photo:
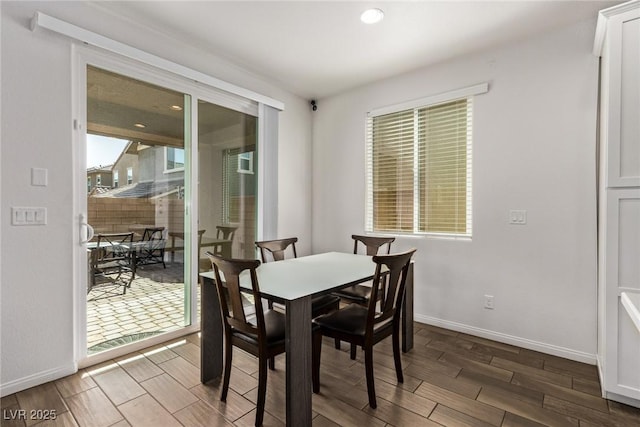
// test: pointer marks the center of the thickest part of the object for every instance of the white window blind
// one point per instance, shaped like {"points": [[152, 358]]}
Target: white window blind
{"points": [[419, 169]]}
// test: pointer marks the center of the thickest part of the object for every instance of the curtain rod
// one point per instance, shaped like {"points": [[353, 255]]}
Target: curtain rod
{"points": [[61, 27]]}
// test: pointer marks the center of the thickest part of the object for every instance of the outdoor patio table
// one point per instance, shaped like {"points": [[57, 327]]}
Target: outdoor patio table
{"points": [[294, 282]]}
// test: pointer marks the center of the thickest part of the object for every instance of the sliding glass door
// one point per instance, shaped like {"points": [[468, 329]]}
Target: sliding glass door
{"points": [[137, 140], [171, 172], [227, 147]]}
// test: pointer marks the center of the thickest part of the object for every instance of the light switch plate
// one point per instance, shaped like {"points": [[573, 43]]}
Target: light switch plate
{"points": [[39, 177], [517, 216], [28, 216]]}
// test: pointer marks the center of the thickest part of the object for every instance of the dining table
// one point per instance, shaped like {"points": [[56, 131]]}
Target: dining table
{"points": [[293, 283]]}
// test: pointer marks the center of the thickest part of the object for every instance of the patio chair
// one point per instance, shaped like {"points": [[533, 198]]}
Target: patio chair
{"points": [[112, 264], [150, 250], [180, 236]]}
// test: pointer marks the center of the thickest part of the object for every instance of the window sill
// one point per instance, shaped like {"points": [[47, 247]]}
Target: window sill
{"points": [[429, 236]]}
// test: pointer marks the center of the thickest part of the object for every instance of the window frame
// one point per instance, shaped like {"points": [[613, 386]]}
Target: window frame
{"points": [[129, 175], [228, 171], [166, 160], [249, 159], [415, 105]]}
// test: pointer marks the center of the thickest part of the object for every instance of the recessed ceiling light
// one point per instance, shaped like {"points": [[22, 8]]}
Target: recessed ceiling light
{"points": [[372, 16], [140, 125], [176, 108]]}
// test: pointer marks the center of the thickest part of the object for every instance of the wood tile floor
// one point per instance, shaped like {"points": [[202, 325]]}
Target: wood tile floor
{"points": [[451, 379]]}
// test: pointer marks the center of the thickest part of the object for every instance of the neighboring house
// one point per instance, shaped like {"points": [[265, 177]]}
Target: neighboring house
{"points": [[125, 168], [99, 177], [143, 187], [143, 171]]}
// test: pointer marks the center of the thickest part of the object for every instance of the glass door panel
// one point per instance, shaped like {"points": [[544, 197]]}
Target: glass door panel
{"points": [[137, 157], [228, 159]]}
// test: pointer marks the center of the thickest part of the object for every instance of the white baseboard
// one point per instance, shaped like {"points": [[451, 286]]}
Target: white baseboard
{"points": [[554, 350], [37, 379], [622, 399], [62, 371]]}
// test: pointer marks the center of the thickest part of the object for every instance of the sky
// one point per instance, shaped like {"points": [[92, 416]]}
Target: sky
{"points": [[102, 150]]}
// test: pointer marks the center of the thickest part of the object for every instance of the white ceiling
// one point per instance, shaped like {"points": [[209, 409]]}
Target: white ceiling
{"points": [[319, 48]]}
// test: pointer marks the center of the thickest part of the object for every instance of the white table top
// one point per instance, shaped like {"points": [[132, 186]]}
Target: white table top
{"points": [[310, 275]]}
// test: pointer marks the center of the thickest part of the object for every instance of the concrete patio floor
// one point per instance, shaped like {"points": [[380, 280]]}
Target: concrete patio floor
{"points": [[154, 303]]}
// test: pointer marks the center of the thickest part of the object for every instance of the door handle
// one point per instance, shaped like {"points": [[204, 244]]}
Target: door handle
{"points": [[89, 230]]}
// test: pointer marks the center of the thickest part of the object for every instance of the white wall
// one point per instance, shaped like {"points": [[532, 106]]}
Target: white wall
{"points": [[37, 274], [533, 149]]}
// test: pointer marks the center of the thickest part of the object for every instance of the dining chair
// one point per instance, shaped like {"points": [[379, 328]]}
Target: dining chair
{"points": [[259, 333], [366, 326], [112, 264], [224, 232], [372, 244], [360, 293], [277, 250]]}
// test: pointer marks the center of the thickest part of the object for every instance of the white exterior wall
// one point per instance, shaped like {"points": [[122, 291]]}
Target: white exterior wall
{"points": [[533, 149], [36, 266]]}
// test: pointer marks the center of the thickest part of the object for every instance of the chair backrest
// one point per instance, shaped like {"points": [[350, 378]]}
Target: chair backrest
{"points": [[153, 233], [276, 248], [225, 232], [113, 247], [372, 243], [154, 238], [392, 282], [231, 301]]}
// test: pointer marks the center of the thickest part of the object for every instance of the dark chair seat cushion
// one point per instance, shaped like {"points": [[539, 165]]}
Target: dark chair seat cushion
{"points": [[349, 320], [274, 326], [356, 293], [321, 304]]}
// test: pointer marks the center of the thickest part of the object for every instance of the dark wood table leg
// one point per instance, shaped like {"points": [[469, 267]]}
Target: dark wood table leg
{"points": [[298, 354], [407, 312], [211, 332]]}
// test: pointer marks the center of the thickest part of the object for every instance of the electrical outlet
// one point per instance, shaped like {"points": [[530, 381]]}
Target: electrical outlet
{"points": [[488, 302]]}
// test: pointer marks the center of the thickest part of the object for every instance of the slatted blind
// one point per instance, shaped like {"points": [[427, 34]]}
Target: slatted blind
{"points": [[419, 170]]}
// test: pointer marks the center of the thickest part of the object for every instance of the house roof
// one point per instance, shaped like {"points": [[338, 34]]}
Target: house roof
{"points": [[147, 189], [100, 168]]}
